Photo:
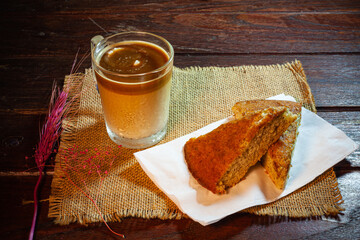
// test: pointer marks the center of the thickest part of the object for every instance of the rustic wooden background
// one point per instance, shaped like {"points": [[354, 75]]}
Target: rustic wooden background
{"points": [[38, 45]]}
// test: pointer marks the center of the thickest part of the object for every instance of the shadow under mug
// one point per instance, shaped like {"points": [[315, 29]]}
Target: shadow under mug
{"points": [[136, 105]]}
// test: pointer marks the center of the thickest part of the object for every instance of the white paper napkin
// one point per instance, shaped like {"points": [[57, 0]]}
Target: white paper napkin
{"points": [[319, 146]]}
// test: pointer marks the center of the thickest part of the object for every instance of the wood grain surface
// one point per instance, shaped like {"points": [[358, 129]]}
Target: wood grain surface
{"points": [[38, 45]]}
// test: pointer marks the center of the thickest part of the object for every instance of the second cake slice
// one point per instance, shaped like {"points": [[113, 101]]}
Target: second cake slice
{"points": [[277, 160]]}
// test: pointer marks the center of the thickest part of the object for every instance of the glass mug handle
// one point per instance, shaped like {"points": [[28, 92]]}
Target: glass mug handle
{"points": [[94, 41]]}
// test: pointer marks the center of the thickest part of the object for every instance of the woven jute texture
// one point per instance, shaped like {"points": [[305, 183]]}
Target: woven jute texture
{"points": [[90, 166]]}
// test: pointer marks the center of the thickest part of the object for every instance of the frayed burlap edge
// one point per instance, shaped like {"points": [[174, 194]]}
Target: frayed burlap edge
{"points": [[117, 216], [298, 71], [69, 124]]}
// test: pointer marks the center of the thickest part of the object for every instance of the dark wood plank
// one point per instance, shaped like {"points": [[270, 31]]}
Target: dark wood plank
{"points": [[19, 136], [56, 34], [27, 83], [181, 6]]}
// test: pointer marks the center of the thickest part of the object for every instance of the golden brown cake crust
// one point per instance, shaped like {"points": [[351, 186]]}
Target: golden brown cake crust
{"points": [[209, 156], [245, 107]]}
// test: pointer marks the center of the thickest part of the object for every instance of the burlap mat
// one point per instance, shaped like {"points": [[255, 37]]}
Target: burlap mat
{"points": [[199, 96]]}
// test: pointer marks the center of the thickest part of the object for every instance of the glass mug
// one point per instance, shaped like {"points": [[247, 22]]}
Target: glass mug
{"points": [[133, 74]]}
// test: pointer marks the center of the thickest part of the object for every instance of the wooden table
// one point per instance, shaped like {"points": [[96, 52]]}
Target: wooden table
{"points": [[38, 44]]}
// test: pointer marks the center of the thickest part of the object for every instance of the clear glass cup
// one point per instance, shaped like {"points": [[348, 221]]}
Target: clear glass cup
{"points": [[135, 105]]}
